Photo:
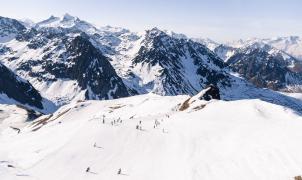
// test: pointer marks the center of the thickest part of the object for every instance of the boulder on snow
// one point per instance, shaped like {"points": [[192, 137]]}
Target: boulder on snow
{"points": [[209, 93]]}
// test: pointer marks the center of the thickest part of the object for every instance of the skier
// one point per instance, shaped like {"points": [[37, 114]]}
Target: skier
{"points": [[137, 127], [16, 129], [88, 169], [119, 171]]}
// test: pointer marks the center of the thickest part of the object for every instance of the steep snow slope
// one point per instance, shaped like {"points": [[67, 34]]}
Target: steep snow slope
{"points": [[247, 139]]}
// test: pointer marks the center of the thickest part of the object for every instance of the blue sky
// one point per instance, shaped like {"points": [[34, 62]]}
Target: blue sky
{"points": [[221, 20]]}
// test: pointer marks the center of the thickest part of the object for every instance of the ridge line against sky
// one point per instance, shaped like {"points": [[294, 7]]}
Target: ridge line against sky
{"points": [[220, 20]]}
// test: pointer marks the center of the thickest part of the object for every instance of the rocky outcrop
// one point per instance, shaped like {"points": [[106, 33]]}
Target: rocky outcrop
{"points": [[18, 89]]}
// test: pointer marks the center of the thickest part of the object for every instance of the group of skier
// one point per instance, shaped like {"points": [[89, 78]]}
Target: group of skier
{"points": [[119, 120], [138, 127]]}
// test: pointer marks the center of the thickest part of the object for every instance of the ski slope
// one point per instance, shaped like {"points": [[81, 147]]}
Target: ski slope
{"points": [[245, 139]]}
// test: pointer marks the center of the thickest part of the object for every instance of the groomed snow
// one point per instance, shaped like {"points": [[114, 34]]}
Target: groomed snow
{"points": [[246, 139]]}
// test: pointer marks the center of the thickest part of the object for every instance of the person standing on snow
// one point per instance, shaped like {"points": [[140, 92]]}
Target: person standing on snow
{"points": [[119, 171]]}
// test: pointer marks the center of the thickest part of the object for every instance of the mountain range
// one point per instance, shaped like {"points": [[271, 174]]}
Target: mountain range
{"points": [[79, 101], [65, 59]]}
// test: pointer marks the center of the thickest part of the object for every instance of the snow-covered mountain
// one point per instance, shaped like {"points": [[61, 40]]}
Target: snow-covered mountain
{"points": [[246, 139], [171, 66], [224, 51], [9, 28], [197, 113], [209, 43], [291, 44], [154, 61], [68, 59], [63, 64], [264, 66]]}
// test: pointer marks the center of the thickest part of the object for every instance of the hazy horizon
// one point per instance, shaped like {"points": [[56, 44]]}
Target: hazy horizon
{"points": [[219, 20]]}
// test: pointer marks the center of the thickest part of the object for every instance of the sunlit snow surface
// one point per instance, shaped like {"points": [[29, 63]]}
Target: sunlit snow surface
{"points": [[244, 139]]}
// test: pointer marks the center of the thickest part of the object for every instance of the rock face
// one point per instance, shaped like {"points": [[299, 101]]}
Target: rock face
{"points": [[9, 28], [92, 71], [18, 89], [67, 57], [210, 92], [177, 66], [267, 67]]}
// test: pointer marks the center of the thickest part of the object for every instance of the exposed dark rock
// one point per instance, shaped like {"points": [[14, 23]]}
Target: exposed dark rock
{"points": [[174, 55], [10, 27], [78, 60], [266, 70], [211, 92], [18, 89]]}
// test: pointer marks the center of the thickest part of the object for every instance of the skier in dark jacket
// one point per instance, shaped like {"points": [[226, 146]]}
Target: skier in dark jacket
{"points": [[119, 171]]}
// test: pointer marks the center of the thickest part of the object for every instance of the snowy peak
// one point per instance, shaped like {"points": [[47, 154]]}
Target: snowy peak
{"points": [[209, 43], [291, 44], [48, 22], [176, 35], [64, 65], [172, 66], [66, 21], [9, 28], [68, 17]]}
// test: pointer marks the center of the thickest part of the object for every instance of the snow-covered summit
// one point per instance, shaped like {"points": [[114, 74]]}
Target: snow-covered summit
{"points": [[67, 21], [290, 44]]}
